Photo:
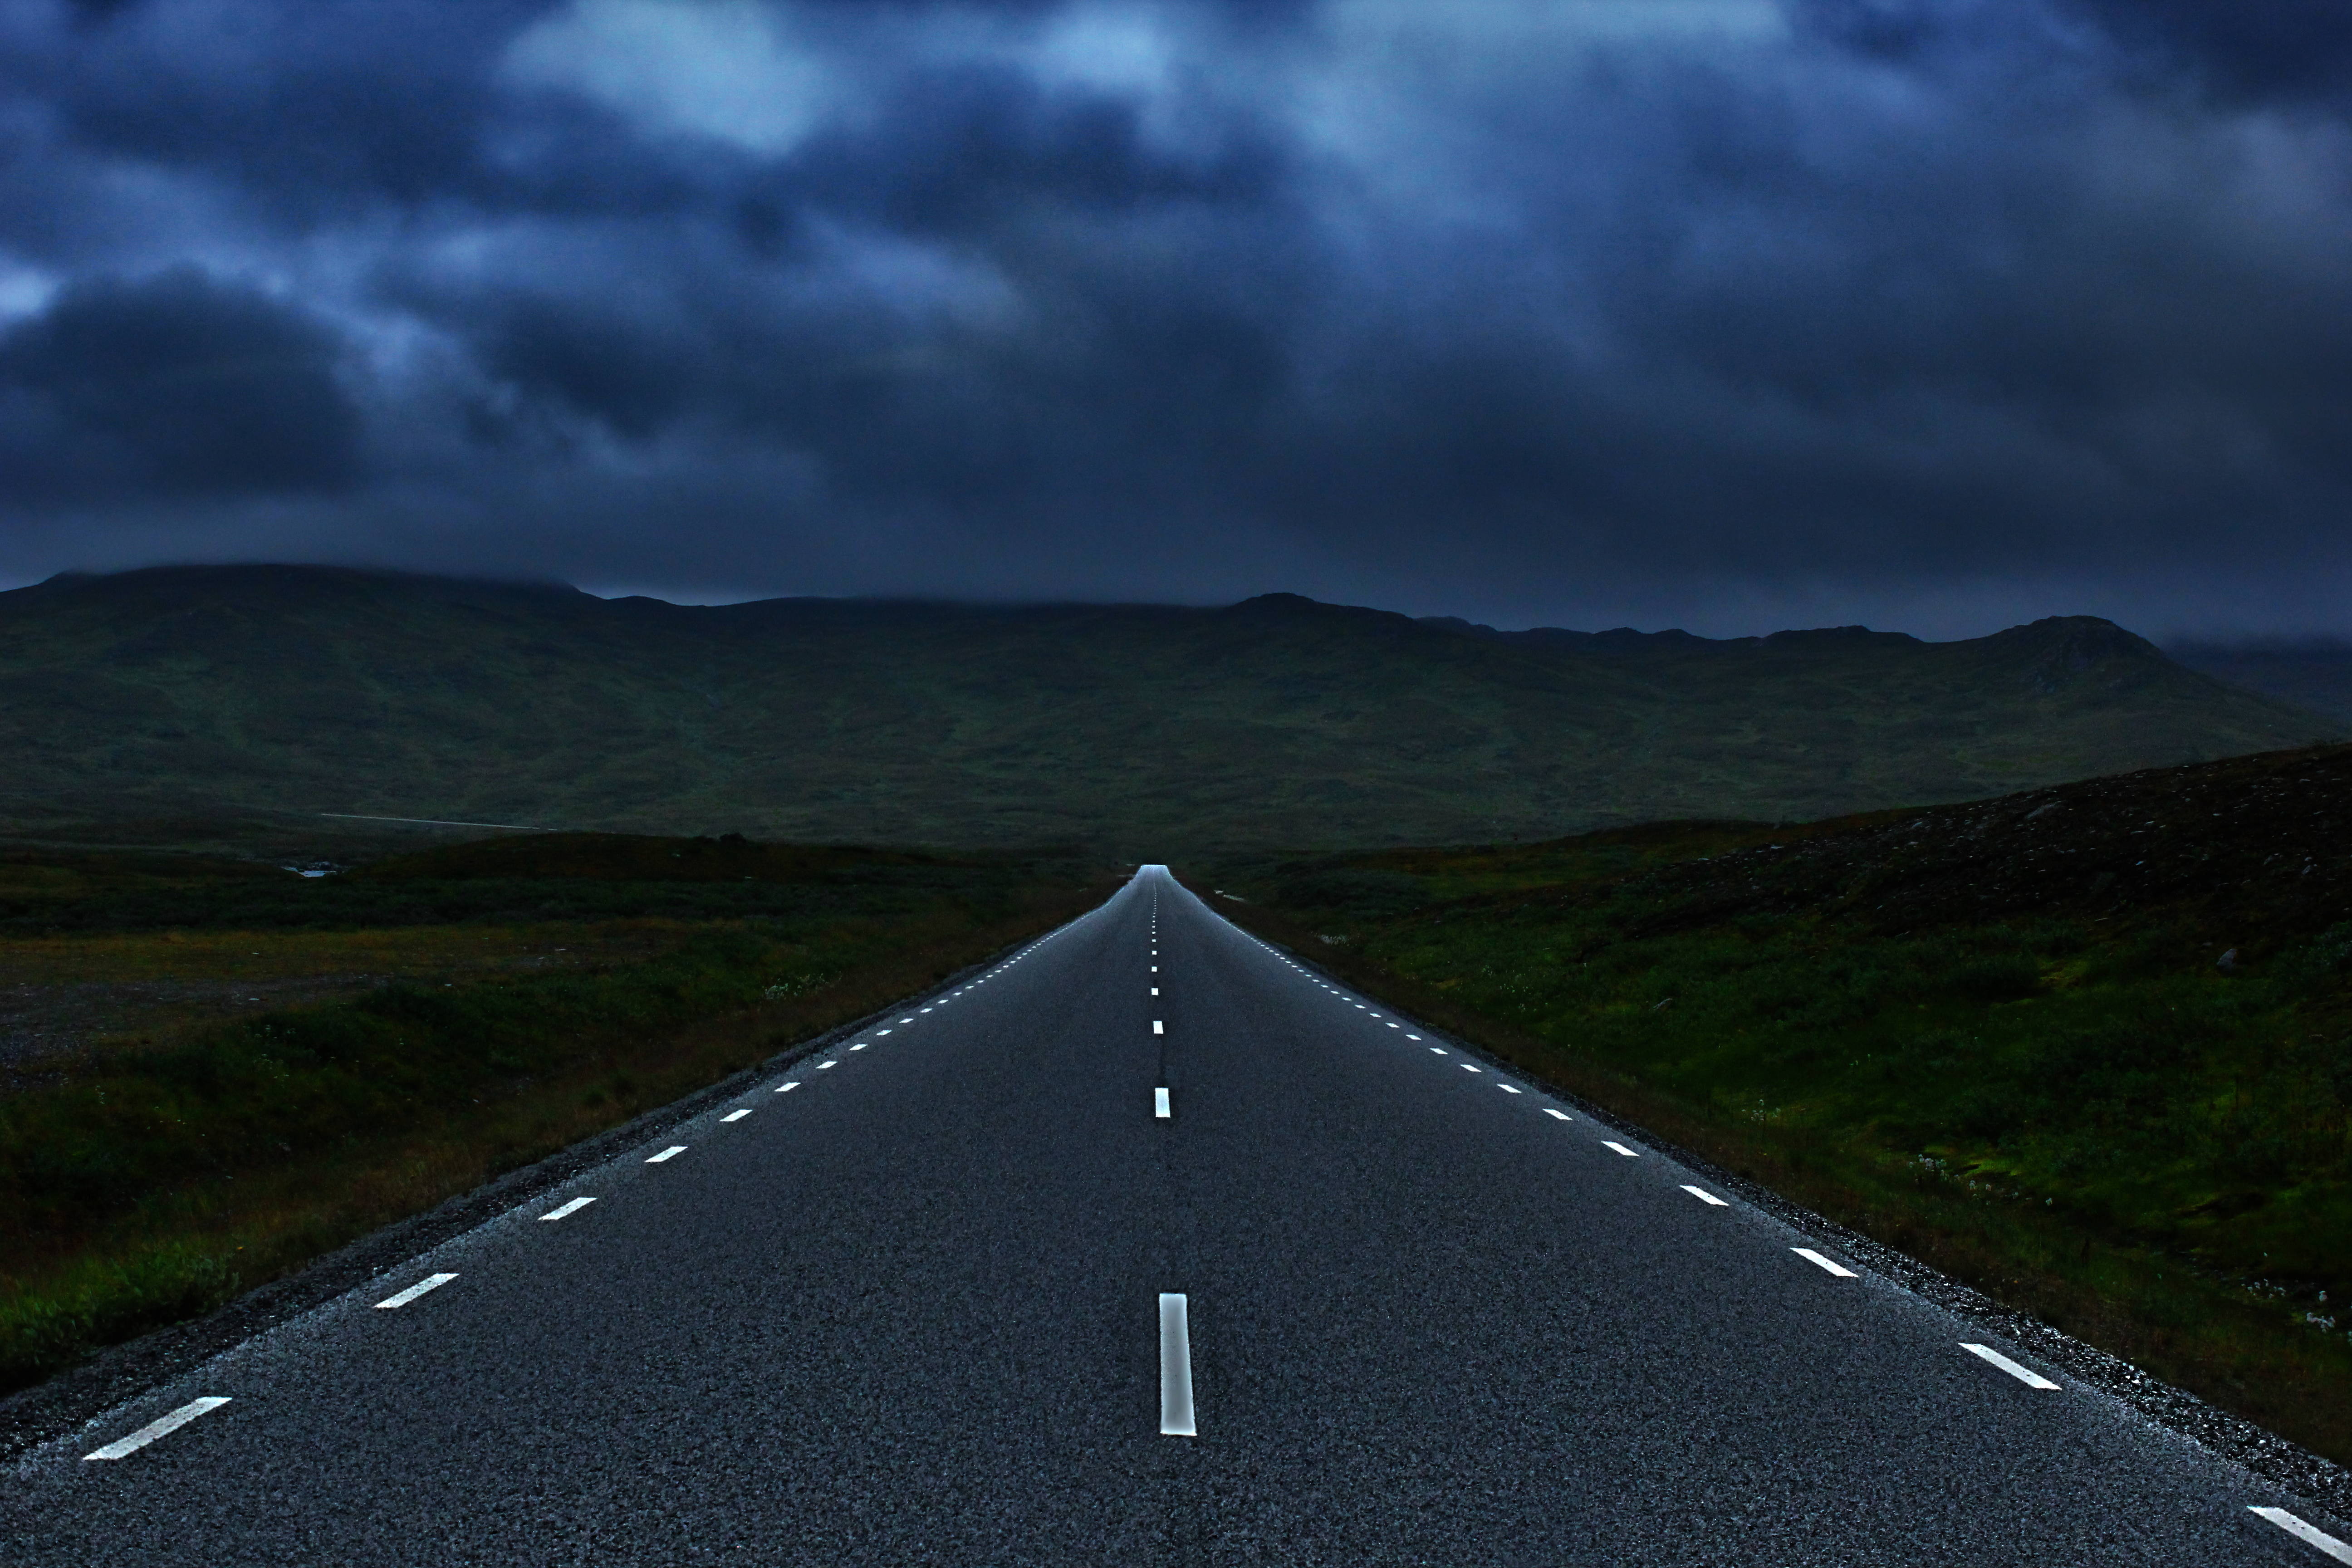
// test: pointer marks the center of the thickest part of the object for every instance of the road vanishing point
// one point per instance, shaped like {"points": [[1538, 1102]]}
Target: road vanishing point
{"points": [[1147, 1245]]}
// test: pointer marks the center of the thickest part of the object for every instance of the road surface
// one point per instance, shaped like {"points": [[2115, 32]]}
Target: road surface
{"points": [[1148, 1245]]}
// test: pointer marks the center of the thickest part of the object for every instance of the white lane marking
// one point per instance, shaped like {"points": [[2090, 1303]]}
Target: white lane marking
{"points": [[1156, 1028], [1470, 1067], [737, 1115], [1703, 1195], [1175, 1369], [672, 1152], [879, 1033], [1159, 1104], [1810, 1255], [922, 1009], [161, 1426], [1412, 1037], [1155, 969], [782, 1086], [2278, 1516], [905, 1020], [1557, 1115], [1438, 1051], [1392, 1026], [430, 1282], [2024, 1374], [1155, 991], [1508, 1088], [822, 1065], [574, 1207], [1629, 1154], [861, 1045]]}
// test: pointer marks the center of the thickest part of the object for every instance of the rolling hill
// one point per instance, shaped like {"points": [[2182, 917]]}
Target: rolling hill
{"points": [[185, 693]]}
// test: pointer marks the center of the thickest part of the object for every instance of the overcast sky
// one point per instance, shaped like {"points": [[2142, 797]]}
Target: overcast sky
{"points": [[1730, 314]]}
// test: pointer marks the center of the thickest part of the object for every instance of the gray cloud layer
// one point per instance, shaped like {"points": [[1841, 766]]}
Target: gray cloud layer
{"points": [[1732, 313]]}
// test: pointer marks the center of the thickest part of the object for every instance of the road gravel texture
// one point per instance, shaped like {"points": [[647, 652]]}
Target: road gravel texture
{"points": [[910, 1312]]}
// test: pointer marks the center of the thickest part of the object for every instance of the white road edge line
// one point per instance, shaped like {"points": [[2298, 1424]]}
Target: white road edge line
{"points": [[672, 1152], [1832, 1265], [1703, 1195], [1159, 1104], [737, 1115], [1175, 1369], [2024, 1374], [574, 1207], [430, 1282], [163, 1424], [2278, 1516]]}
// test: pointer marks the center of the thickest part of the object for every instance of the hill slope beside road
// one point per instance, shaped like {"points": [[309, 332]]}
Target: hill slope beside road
{"points": [[1277, 721], [2088, 1047], [1147, 1245]]}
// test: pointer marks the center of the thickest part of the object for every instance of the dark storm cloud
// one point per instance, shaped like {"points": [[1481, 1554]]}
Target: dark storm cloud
{"points": [[175, 386], [1706, 310]]}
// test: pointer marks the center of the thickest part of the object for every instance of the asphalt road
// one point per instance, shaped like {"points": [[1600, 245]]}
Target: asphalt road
{"points": [[916, 1310]]}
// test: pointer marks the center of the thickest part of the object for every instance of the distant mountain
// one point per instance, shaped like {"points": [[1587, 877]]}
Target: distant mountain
{"points": [[1135, 728], [2314, 674]]}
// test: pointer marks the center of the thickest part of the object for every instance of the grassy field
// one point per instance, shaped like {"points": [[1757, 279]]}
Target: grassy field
{"points": [[151, 1176], [2089, 1050]]}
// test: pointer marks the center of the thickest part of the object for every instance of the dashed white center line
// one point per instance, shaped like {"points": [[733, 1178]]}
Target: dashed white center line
{"points": [[1557, 1115], [1470, 1067], [861, 1045], [672, 1152], [1703, 1195], [1620, 1149], [905, 1020], [1412, 1037], [1155, 991], [822, 1065], [1156, 1028], [1393, 1026], [1439, 1051], [161, 1426], [1159, 1104], [430, 1282], [1508, 1088], [2024, 1374], [783, 1087], [1175, 1370], [1832, 1265], [737, 1115], [2278, 1516], [574, 1207]]}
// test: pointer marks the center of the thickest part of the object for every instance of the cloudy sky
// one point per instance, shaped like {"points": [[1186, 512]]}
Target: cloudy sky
{"points": [[1731, 314]]}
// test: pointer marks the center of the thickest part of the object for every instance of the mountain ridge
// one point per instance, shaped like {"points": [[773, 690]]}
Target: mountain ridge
{"points": [[1278, 719]]}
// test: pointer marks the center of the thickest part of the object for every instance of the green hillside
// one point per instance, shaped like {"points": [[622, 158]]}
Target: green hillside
{"points": [[181, 692]]}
